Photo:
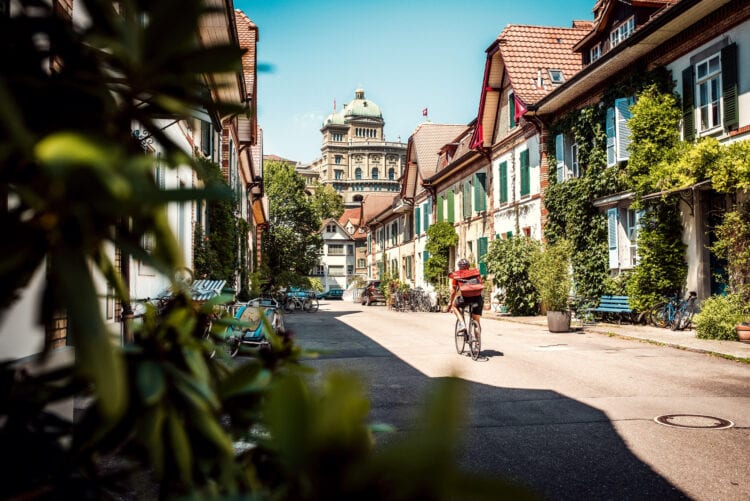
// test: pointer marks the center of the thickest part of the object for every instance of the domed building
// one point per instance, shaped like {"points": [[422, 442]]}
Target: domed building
{"points": [[356, 159]]}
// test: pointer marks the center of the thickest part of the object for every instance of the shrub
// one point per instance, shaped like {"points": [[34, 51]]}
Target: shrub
{"points": [[719, 316], [509, 260], [549, 272]]}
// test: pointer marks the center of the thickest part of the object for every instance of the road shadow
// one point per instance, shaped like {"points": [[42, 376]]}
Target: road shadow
{"points": [[557, 446]]}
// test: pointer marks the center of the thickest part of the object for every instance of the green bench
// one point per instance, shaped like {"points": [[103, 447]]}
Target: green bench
{"points": [[613, 307]]}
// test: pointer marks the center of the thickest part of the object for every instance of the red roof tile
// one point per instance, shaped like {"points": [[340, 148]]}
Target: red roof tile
{"points": [[530, 51]]}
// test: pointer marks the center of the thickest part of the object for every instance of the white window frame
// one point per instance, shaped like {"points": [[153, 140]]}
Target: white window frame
{"points": [[575, 169], [556, 76], [623, 31], [632, 225], [710, 80], [595, 53]]}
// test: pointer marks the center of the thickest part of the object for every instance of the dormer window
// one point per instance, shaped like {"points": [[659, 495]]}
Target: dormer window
{"points": [[623, 31], [595, 53], [556, 76]]}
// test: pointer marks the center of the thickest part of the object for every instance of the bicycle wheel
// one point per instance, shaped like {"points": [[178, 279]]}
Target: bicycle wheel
{"points": [[675, 323], [232, 344], [460, 339], [660, 316], [475, 342], [687, 317], [314, 305], [289, 305]]}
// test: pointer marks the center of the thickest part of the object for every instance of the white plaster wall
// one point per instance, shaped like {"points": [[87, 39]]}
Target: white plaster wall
{"points": [[20, 334]]}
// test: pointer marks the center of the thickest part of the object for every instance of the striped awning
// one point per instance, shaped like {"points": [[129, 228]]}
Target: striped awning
{"points": [[203, 290]]}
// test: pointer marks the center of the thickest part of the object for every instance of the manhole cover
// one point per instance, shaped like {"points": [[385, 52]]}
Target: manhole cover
{"points": [[693, 421]]}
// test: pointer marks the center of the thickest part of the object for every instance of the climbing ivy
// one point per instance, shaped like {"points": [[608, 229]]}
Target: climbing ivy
{"points": [[441, 236]]}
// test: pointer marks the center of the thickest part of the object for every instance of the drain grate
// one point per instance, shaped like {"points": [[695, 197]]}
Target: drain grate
{"points": [[693, 421]]}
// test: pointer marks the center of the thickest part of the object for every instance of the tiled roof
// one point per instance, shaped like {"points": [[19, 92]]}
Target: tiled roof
{"points": [[350, 215], [247, 33], [429, 138], [528, 52], [375, 203]]}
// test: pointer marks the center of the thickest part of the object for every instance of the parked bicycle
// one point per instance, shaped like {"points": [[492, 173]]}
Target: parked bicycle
{"points": [[472, 335], [255, 333], [674, 313], [297, 299]]}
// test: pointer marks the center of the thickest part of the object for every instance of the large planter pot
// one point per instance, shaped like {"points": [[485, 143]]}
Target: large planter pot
{"points": [[558, 321], [743, 332]]}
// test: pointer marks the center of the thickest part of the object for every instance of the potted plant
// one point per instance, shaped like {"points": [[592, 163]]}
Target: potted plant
{"points": [[549, 273]]}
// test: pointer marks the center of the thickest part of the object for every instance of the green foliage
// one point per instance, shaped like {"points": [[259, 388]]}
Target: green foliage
{"points": [[441, 236], [509, 261], [719, 317], [292, 242], [217, 248], [549, 273], [326, 202], [662, 270], [655, 133], [733, 245], [731, 170]]}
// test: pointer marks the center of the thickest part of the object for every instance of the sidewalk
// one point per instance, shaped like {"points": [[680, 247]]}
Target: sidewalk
{"points": [[685, 340]]}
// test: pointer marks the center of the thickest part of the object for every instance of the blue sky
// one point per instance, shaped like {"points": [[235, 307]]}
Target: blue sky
{"points": [[407, 55]]}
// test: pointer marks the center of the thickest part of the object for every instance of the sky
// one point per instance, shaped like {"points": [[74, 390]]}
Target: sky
{"points": [[407, 55]]}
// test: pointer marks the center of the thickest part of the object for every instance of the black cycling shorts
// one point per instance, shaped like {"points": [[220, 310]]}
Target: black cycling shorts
{"points": [[474, 303]]}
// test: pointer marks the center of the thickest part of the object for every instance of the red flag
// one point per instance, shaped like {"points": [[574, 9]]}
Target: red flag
{"points": [[520, 107], [424, 112]]}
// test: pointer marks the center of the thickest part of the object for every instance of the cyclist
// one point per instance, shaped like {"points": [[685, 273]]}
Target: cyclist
{"points": [[466, 291]]}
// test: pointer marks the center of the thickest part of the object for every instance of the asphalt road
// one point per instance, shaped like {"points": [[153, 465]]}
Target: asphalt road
{"points": [[571, 415]]}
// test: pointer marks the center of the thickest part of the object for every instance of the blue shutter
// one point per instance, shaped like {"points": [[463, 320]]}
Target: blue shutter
{"points": [[610, 124], [614, 258], [417, 221], [560, 157], [622, 129]]}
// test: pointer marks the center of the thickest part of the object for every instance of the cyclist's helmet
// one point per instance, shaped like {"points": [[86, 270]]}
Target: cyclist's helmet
{"points": [[463, 264]]}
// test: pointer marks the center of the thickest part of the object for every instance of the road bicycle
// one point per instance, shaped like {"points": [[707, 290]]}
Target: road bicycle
{"points": [[471, 336], [674, 313]]}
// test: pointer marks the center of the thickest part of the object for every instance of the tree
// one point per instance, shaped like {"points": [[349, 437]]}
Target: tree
{"points": [[441, 237], [326, 202], [292, 242], [509, 260]]}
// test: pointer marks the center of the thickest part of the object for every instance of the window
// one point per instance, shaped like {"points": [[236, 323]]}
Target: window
{"points": [[595, 53], [335, 250], [708, 93], [512, 110], [394, 233], [394, 268], [361, 263], [336, 270], [337, 159], [330, 228], [618, 132], [408, 267], [408, 225], [358, 173], [619, 34], [339, 174], [391, 174], [566, 155], [633, 222], [503, 181], [614, 253], [525, 173], [319, 270], [349, 269], [349, 250], [375, 173], [556, 76], [338, 137]]}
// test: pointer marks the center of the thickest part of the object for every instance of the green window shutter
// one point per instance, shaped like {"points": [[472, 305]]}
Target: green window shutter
{"points": [[417, 222], [503, 182], [426, 212], [480, 192], [440, 200], [482, 251], [509, 234], [512, 110], [688, 104], [466, 199], [525, 174], [729, 86], [451, 207]]}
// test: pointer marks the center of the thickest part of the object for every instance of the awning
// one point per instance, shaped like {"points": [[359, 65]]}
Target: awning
{"points": [[204, 290]]}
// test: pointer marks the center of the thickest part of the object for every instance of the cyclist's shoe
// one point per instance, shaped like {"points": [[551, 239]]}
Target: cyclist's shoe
{"points": [[461, 326]]}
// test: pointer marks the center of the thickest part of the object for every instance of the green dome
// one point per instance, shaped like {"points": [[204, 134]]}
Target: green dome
{"points": [[362, 107], [334, 119]]}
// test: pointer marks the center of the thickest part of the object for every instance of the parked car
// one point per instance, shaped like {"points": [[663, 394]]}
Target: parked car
{"points": [[332, 294], [372, 293]]}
